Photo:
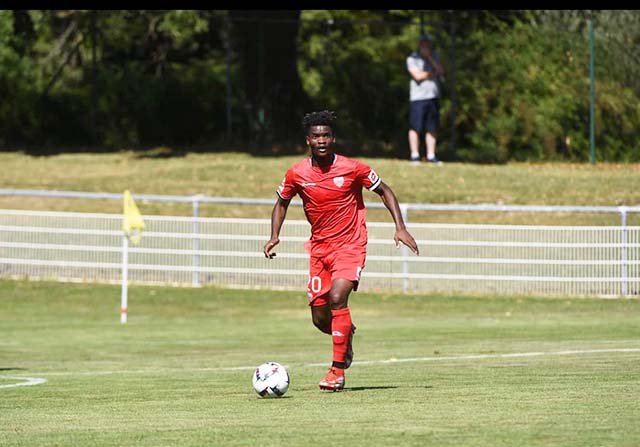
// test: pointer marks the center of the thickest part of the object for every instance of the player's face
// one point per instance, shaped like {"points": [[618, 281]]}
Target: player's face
{"points": [[320, 140]]}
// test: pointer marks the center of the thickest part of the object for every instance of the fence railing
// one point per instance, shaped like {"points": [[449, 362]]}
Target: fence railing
{"points": [[197, 251], [197, 200]]}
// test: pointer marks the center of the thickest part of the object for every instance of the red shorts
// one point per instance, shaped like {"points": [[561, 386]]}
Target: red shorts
{"points": [[346, 262]]}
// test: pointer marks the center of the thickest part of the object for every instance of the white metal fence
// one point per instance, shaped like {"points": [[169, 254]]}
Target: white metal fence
{"points": [[197, 200], [195, 251]]}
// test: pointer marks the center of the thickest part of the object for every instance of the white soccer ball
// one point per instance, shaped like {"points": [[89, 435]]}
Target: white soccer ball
{"points": [[271, 379]]}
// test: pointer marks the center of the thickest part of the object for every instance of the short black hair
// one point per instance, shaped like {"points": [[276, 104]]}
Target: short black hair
{"points": [[323, 118]]}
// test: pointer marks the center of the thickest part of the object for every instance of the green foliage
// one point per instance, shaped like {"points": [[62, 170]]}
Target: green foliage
{"points": [[516, 86], [356, 66], [525, 97], [18, 77], [532, 100], [183, 27]]}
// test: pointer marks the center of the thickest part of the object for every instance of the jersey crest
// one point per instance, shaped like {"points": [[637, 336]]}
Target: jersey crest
{"points": [[373, 177]]}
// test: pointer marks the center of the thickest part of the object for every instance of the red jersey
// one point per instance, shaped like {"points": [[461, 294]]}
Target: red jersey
{"points": [[332, 200]]}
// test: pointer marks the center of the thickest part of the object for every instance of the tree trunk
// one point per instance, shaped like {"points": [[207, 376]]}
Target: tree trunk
{"points": [[266, 42]]}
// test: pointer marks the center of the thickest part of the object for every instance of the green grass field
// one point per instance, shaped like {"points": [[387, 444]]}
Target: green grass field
{"points": [[468, 371], [428, 371]]}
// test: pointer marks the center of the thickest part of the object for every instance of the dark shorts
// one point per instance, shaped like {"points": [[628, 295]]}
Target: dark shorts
{"points": [[424, 114]]}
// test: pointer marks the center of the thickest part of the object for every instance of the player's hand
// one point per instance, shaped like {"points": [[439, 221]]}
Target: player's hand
{"points": [[269, 246], [405, 237]]}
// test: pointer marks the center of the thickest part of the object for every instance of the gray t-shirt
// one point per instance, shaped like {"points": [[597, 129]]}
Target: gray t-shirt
{"points": [[427, 89]]}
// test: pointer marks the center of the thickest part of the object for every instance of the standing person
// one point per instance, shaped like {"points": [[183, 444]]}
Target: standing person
{"points": [[330, 186], [424, 99]]}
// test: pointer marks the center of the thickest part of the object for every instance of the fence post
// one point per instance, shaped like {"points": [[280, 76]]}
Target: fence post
{"points": [[125, 280], [624, 254], [195, 242], [404, 250]]}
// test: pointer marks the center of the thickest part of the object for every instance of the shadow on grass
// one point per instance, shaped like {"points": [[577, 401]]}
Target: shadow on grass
{"points": [[12, 369], [160, 152], [272, 399], [387, 387], [368, 388]]}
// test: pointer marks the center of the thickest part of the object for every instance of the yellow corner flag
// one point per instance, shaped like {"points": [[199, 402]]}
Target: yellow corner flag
{"points": [[132, 225]]}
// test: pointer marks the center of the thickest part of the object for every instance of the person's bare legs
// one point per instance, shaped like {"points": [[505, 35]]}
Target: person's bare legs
{"points": [[414, 144], [430, 140], [321, 317]]}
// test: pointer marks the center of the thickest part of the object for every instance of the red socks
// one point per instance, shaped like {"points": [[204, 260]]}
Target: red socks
{"points": [[340, 329]]}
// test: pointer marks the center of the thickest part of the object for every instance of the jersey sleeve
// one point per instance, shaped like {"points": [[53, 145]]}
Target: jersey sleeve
{"points": [[367, 176], [287, 188], [414, 63]]}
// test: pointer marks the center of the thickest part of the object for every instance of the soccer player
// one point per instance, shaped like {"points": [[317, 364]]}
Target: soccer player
{"points": [[330, 186]]}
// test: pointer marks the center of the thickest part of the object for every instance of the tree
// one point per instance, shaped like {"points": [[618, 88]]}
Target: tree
{"points": [[266, 44], [136, 78]]}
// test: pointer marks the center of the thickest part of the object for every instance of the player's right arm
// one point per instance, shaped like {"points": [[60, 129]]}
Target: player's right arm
{"points": [[286, 190], [277, 218], [416, 71]]}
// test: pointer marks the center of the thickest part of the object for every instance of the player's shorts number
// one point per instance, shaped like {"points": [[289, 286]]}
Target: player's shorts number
{"points": [[315, 284]]}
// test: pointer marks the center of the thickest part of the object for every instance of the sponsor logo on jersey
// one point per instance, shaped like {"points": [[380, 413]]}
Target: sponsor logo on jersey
{"points": [[373, 177], [338, 181], [308, 184]]}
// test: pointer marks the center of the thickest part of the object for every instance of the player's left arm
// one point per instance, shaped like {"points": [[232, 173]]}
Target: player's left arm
{"points": [[391, 202]]}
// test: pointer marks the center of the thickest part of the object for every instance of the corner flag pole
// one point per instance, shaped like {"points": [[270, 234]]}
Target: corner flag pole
{"points": [[132, 226], [125, 279]]}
